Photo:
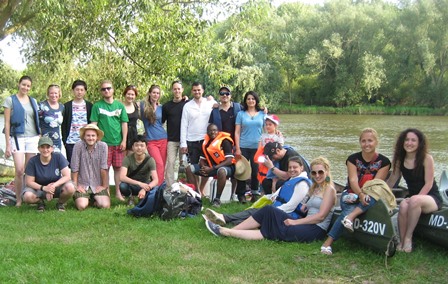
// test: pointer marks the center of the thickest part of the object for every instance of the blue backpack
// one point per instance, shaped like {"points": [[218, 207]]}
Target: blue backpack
{"points": [[151, 204]]}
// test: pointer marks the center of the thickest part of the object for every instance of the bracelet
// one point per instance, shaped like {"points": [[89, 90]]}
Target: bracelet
{"points": [[42, 187], [272, 169]]}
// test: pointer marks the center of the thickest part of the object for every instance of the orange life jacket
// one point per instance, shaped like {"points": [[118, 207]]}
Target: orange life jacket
{"points": [[213, 150], [262, 169]]}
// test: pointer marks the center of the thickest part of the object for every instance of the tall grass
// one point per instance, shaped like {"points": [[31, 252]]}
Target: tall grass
{"points": [[107, 246]]}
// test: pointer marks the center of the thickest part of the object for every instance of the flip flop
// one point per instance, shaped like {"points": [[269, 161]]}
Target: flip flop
{"points": [[347, 224]]}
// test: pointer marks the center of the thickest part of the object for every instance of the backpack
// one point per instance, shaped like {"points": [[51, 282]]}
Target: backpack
{"points": [[150, 204], [179, 201], [7, 197]]}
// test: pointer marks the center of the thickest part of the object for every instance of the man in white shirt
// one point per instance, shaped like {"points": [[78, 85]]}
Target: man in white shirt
{"points": [[195, 116]]}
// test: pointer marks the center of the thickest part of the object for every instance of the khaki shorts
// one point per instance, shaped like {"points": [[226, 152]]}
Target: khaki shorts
{"points": [[89, 194]]}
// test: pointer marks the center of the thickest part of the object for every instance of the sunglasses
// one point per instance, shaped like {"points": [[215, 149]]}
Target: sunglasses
{"points": [[106, 89], [224, 93], [319, 172]]}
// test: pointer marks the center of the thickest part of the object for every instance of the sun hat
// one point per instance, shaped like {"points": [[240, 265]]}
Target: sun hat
{"points": [[45, 140], [273, 118], [99, 132], [242, 169]]}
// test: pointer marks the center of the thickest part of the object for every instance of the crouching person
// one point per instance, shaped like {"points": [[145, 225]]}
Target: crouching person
{"points": [[216, 160], [138, 173], [90, 173], [47, 177]]}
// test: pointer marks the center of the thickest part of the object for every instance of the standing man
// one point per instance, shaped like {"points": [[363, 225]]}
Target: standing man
{"points": [[172, 114], [195, 116], [89, 168], [76, 115], [216, 160], [224, 116], [111, 117]]}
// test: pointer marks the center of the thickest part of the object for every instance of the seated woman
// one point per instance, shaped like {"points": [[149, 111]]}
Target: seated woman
{"points": [[361, 167], [287, 199], [411, 159], [274, 224]]}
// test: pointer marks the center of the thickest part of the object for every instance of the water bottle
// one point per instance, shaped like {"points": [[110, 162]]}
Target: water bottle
{"points": [[350, 198]]}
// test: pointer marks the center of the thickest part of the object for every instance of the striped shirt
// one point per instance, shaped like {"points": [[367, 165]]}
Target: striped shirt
{"points": [[88, 164]]}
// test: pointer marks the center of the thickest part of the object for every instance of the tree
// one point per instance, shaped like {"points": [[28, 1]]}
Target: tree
{"points": [[14, 15]]}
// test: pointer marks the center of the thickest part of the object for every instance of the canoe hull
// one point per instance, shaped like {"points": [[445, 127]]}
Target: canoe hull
{"points": [[376, 229], [434, 227]]}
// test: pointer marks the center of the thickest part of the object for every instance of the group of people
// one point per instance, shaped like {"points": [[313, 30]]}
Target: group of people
{"points": [[302, 209], [216, 136]]}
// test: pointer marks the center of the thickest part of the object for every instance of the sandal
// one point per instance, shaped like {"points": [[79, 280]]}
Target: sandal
{"points": [[407, 248], [347, 224], [326, 250]]}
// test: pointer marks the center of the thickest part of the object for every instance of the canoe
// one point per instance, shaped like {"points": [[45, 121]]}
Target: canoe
{"points": [[375, 229], [434, 227]]}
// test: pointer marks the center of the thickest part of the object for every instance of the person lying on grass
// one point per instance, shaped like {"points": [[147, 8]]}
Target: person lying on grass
{"points": [[47, 177], [273, 224], [287, 198]]}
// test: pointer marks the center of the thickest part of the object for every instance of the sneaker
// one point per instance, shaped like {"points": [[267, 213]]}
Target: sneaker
{"points": [[213, 228], [214, 217], [41, 207], [60, 207], [216, 202]]}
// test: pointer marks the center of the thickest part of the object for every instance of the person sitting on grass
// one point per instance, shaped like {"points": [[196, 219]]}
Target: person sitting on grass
{"points": [[138, 173], [47, 177], [274, 224], [216, 160], [89, 168], [287, 198]]}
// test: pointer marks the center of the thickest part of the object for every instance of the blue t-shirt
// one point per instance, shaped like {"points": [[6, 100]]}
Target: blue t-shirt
{"points": [[251, 129], [46, 174], [154, 131]]}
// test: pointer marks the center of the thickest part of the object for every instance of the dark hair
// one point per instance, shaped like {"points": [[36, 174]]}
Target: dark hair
{"points": [[139, 138], [79, 83], [176, 82], [130, 87], [400, 153], [257, 100], [149, 110], [296, 159], [25, 77], [195, 84]]}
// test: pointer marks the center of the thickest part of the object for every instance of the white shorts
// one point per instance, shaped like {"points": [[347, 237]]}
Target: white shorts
{"points": [[26, 144]]}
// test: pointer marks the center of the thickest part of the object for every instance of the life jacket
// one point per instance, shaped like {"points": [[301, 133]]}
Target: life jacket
{"points": [[18, 116], [213, 150], [262, 169], [216, 116], [286, 192]]}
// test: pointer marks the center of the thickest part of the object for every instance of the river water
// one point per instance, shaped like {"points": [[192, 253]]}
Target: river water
{"points": [[336, 136]]}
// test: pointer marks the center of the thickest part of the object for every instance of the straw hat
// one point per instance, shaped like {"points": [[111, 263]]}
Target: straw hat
{"points": [[99, 132], [242, 169]]}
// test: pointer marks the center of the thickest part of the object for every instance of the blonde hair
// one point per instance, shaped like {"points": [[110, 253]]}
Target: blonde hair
{"points": [[149, 111], [328, 182], [369, 130]]}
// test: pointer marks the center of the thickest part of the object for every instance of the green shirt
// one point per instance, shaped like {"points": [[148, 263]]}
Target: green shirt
{"points": [[144, 174], [109, 118]]}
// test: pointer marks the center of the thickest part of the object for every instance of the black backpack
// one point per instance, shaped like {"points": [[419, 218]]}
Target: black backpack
{"points": [[150, 204]]}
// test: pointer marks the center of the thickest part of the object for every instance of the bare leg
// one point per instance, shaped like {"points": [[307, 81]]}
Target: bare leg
{"points": [[192, 178], [203, 182], [102, 201], [67, 192], [244, 230], [19, 164], [117, 184], [248, 224], [355, 213], [81, 203], [402, 221], [328, 242]]}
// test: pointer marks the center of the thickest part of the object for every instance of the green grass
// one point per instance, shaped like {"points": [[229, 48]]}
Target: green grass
{"points": [[107, 246]]}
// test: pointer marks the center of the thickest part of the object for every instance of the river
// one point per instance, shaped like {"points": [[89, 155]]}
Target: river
{"points": [[336, 136]]}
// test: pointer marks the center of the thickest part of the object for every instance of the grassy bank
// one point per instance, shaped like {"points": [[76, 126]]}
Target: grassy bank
{"points": [[107, 246], [356, 110]]}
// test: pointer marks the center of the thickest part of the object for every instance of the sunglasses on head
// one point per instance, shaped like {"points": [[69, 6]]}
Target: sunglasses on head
{"points": [[319, 172], [106, 89], [224, 93]]}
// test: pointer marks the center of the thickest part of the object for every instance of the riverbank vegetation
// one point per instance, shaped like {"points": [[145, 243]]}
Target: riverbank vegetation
{"points": [[346, 55], [107, 246]]}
